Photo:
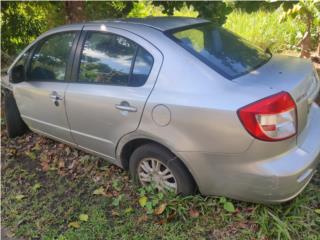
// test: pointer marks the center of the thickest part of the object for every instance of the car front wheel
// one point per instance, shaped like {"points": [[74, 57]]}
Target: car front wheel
{"points": [[14, 123], [153, 164]]}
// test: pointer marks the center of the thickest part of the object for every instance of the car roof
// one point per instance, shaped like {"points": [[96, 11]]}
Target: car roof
{"points": [[159, 23]]}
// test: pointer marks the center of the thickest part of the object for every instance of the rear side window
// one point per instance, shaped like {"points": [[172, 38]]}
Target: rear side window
{"points": [[50, 59], [142, 68], [107, 59]]}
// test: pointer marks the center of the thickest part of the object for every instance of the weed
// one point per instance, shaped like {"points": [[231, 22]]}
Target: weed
{"points": [[263, 29], [85, 200]]}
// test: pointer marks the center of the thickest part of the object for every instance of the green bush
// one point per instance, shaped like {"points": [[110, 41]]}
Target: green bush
{"points": [[263, 28]]}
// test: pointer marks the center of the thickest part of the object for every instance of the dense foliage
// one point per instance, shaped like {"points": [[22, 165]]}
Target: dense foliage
{"points": [[22, 22], [265, 29]]}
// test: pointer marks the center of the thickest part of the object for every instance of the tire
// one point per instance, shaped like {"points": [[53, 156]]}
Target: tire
{"points": [[14, 123], [185, 185]]}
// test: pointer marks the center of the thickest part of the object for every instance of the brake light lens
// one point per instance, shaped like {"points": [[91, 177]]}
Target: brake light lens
{"points": [[270, 119]]}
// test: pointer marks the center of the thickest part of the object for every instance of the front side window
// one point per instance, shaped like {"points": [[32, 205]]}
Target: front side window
{"points": [[225, 52], [18, 71], [107, 59], [50, 59], [22, 60]]}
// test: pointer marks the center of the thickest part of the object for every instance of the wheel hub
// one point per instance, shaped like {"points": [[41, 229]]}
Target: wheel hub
{"points": [[152, 170]]}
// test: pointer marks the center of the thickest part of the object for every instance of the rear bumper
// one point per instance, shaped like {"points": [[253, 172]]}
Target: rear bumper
{"points": [[278, 179]]}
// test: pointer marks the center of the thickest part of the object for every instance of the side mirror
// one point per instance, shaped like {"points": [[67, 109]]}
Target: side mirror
{"points": [[17, 74]]}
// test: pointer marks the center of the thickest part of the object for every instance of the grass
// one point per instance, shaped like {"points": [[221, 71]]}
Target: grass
{"points": [[46, 186], [263, 28]]}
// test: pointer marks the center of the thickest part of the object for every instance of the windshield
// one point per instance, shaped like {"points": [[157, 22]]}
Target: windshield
{"points": [[225, 52]]}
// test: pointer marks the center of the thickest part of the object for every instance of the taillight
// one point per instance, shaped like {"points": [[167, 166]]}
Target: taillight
{"points": [[270, 119]]}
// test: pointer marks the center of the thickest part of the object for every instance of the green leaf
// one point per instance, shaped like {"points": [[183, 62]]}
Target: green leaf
{"points": [[116, 184], [19, 197], [84, 159], [143, 200], [128, 210], [116, 201], [37, 147], [31, 155], [74, 224], [36, 187], [155, 201], [83, 217], [149, 207], [222, 200], [317, 210], [228, 206]]}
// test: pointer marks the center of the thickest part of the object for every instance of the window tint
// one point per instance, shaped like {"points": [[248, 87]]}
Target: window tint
{"points": [[106, 58], [49, 61], [17, 73], [142, 68], [222, 50], [23, 60]]}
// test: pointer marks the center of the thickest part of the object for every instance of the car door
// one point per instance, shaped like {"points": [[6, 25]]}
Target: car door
{"points": [[115, 71], [40, 98]]}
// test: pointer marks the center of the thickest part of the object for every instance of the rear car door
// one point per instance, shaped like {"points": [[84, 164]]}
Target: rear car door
{"points": [[40, 98], [114, 72]]}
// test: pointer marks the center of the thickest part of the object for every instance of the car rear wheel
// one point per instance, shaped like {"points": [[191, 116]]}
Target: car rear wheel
{"points": [[14, 123], [153, 164]]}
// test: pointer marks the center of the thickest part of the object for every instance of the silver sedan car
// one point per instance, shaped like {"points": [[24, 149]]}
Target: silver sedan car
{"points": [[179, 102]]}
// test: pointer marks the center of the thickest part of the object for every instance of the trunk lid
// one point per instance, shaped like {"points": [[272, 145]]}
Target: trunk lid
{"points": [[294, 75]]}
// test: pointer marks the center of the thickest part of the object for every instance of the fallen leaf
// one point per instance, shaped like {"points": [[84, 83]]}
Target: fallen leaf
{"points": [[83, 217], [36, 147], [171, 216], [84, 159], [9, 234], [73, 164], [143, 201], [19, 197], [61, 164], [160, 209], [31, 155], [115, 213], [128, 210], [142, 218], [99, 191], [161, 221], [68, 150], [194, 213], [45, 166], [74, 224]]}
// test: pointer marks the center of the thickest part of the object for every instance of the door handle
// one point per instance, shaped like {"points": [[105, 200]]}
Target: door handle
{"points": [[55, 96], [125, 106]]}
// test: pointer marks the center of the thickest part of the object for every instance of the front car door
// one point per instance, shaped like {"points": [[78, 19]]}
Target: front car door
{"points": [[40, 98], [115, 72]]}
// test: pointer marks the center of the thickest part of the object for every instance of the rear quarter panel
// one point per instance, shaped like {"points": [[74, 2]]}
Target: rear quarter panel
{"points": [[203, 105]]}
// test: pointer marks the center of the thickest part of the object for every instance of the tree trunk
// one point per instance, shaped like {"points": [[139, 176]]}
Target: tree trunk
{"points": [[74, 11], [305, 43], [318, 48]]}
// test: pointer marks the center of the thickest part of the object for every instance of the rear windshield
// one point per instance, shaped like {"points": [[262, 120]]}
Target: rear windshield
{"points": [[224, 51]]}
